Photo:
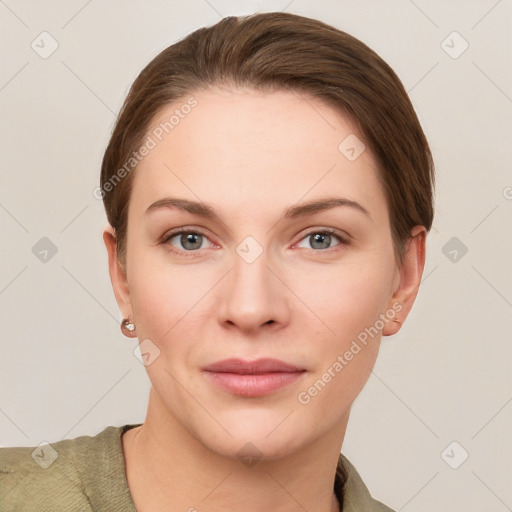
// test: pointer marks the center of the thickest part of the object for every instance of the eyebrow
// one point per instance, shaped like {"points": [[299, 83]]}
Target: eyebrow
{"points": [[300, 210]]}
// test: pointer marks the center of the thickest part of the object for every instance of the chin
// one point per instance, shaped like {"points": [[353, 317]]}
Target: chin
{"points": [[266, 438]]}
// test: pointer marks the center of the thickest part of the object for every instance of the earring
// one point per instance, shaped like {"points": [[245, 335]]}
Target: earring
{"points": [[128, 328]]}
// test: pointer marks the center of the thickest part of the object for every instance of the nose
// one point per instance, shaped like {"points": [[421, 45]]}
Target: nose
{"points": [[254, 295]]}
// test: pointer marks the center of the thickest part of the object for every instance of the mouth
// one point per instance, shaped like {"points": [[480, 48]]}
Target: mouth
{"points": [[252, 378], [262, 365]]}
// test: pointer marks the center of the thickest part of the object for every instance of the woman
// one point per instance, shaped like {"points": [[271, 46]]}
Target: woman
{"points": [[268, 189]]}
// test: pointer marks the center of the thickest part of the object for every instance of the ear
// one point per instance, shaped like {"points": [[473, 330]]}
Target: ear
{"points": [[410, 273], [117, 273]]}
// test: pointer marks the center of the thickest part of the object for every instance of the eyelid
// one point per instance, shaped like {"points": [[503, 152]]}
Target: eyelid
{"points": [[181, 231], [342, 235]]}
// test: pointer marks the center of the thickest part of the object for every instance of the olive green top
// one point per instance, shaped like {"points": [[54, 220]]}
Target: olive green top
{"points": [[87, 474]]}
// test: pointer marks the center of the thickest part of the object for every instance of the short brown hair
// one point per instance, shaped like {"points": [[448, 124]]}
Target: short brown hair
{"points": [[282, 51]]}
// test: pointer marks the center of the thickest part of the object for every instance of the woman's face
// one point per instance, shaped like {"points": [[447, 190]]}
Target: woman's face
{"points": [[260, 278]]}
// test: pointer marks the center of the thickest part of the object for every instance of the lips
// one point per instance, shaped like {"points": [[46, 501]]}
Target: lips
{"points": [[252, 378], [259, 366]]}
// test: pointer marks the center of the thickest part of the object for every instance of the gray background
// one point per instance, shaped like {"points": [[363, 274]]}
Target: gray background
{"points": [[65, 368]]}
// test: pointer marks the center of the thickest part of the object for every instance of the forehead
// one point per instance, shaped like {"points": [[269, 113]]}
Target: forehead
{"points": [[254, 149]]}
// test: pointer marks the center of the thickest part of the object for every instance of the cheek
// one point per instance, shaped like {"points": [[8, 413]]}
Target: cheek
{"points": [[349, 304], [347, 299], [166, 297]]}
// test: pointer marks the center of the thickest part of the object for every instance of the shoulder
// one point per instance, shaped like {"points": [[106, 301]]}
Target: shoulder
{"points": [[55, 476], [356, 496], [43, 477]]}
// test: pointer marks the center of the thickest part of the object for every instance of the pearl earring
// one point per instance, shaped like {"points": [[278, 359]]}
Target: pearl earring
{"points": [[128, 328]]}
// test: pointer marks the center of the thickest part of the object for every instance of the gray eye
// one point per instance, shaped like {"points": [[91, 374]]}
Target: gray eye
{"points": [[320, 240], [188, 240]]}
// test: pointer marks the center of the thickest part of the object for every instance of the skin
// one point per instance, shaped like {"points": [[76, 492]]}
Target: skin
{"points": [[251, 155]]}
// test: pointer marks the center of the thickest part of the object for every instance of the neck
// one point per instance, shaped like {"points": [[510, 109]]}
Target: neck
{"points": [[168, 467]]}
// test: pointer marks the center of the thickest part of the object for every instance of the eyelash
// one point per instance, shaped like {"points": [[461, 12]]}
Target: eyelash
{"points": [[325, 231]]}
